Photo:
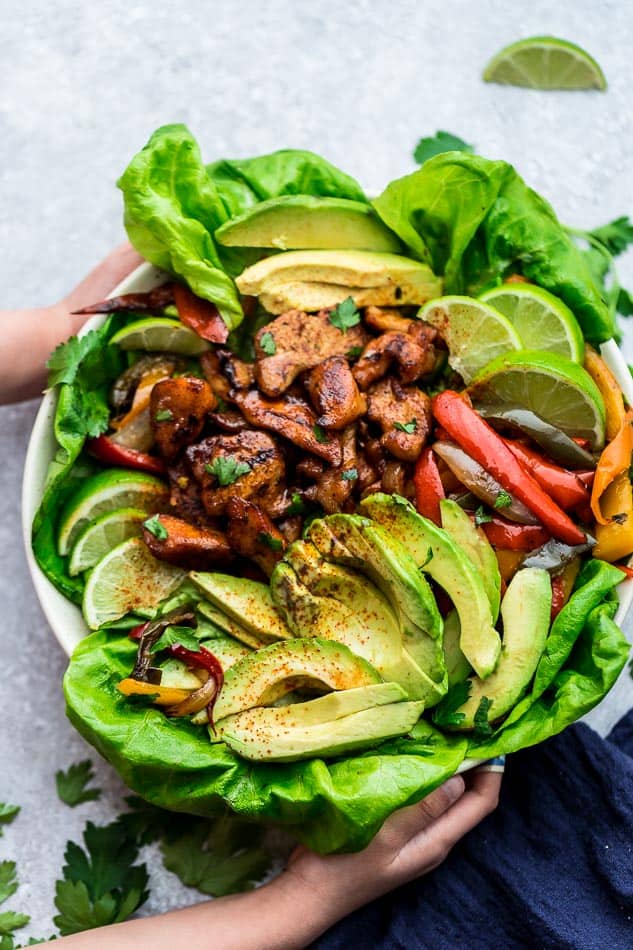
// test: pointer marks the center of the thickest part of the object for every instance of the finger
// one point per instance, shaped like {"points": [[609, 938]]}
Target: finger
{"points": [[407, 822], [104, 277]]}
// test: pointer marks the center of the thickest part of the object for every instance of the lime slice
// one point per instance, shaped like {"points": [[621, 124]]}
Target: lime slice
{"points": [[474, 332], [103, 534], [542, 321], [545, 62], [128, 578], [114, 488], [160, 335], [559, 391]]}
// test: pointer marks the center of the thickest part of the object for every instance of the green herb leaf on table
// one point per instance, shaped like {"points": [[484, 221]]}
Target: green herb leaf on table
{"points": [[275, 544], [7, 814], [8, 880], [432, 145], [226, 469], [320, 434], [164, 415], [408, 427], [155, 526], [481, 516], [10, 920], [176, 636], [349, 475], [483, 729], [503, 500], [71, 785], [616, 235], [445, 713], [101, 884], [345, 315], [267, 343]]}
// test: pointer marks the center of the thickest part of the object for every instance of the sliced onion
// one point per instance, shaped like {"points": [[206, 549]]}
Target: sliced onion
{"points": [[197, 700]]}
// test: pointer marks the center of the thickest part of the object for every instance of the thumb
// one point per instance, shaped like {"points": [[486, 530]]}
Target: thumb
{"points": [[407, 822]]}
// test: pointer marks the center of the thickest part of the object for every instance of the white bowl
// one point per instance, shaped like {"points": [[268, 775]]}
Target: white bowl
{"points": [[64, 617]]}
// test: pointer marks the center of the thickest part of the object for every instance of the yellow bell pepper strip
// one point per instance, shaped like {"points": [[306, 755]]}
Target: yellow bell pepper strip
{"points": [[162, 695], [615, 459], [615, 538], [609, 390]]}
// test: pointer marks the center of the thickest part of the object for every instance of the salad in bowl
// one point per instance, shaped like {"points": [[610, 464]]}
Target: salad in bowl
{"points": [[341, 488]]}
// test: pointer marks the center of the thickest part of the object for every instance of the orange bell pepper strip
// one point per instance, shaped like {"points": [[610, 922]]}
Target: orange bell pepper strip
{"points": [[614, 540], [162, 695], [481, 442], [615, 460], [609, 390]]}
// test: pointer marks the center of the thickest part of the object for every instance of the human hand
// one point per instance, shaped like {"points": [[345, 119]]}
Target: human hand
{"points": [[30, 336]]}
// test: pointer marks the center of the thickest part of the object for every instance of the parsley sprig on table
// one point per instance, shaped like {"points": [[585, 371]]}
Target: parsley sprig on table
{"points": [[432, 145], [71, 785]]}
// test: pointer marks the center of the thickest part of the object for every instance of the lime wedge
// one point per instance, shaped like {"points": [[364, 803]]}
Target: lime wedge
{"points": [[545, 62], [559, 391], [128, 578], [542, 321], [103, 534], [114, 488], [474, 332], [160, 335]]}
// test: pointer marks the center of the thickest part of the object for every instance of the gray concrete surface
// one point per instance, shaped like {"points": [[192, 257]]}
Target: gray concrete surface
{"points": [[81, 88]]}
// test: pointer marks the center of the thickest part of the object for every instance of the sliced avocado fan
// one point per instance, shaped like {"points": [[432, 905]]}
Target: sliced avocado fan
{"points": [[248, 603]]}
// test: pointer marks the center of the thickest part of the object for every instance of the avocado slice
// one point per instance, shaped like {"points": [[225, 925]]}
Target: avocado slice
{"points": [[525, 611], [457, 666], [474, 542], [262, 677], [437, 554], [245, 601], [305, 221], [329, 601], [226, 624], [255, 734], [301, 279]]}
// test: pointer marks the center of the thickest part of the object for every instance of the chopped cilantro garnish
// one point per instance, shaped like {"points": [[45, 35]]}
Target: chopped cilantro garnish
{"points": [[349, 475], [408, 427], [267, 343], [275, 544], [319, 433], [345, 315], [446, 714], [176, 636], [155, 526], [226, 469], [164, 415], [483, 729], [503, 500], [481, 516]]}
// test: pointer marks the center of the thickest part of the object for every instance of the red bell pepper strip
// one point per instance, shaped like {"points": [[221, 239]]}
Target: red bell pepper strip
{"points": [[481, 441], [564, 487], [206, 661], [514, 537], [429, 490], [627, 571], [201, 316], [104, 449], [558, 596]]}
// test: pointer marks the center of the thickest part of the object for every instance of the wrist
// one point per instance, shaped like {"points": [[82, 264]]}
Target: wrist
{"points": [[311, 905]]}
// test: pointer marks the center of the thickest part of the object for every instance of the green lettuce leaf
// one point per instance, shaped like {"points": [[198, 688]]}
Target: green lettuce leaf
{"points": [[475, 221]]}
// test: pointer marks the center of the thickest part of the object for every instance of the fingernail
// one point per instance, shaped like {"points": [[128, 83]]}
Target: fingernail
{"points": [[454, 788]]}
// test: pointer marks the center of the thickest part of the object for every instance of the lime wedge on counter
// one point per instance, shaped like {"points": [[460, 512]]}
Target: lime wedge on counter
{"points": [[128, 578], [559, 391], [542, 320], [160, 335], [545, 62], [114, 488], [474, 332], [103, 534]]}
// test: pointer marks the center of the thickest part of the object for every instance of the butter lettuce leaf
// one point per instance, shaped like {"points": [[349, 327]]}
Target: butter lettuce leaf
{"points": [[476, 221]]}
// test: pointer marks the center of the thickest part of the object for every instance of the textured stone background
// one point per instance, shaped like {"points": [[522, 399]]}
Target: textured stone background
{"points": [[81, 88]]}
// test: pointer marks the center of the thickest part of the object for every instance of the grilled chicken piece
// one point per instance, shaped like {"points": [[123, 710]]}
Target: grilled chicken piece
{"points": [[252, 534], [301, 340], [178, 409], [310, 468], [336, 485], [292, 418], [240, 375], [426, 335], [394, 478], [221, 458], [334, 393], [411, 359], [384, 320], [391, 403], [189, 546], [185, 499], [210, 364], [228, 420], [367, 474]]}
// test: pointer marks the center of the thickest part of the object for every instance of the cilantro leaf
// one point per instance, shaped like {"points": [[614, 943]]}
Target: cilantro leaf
{"points": [[275, 544], [101, 884], [345, 315], [71, 785], [616, 235], [8, 880], [226, 469], [481, 516], [446, 714], [65, 360], [354, 352], [483, 729], [624, 304], [436, 144], [156, 527], [408, 427], [164, 415], [267, 343], [503, 500], [218, 857], [7, 814], [297, 505], [10, 920], [349, 475], [319, 433], [173, 636]]}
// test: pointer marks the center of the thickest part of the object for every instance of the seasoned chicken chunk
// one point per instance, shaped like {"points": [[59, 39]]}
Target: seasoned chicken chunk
{"points": [[187, 545], [210, 364], [178, 409], [336, 485], [185, 499], [404, 414], [412, 359], [292, 418], [249, 465], [299, 341], [252, 534], [240, 375], [228, 419], [334, 394], [385, 319]]}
